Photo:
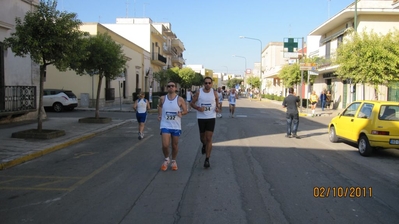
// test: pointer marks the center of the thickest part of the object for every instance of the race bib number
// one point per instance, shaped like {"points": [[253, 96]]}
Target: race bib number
{"points": [[207, 107], [170, 115]]}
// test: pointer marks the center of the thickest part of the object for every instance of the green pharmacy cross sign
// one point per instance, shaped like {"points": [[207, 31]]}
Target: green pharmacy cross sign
{"points": [[290, 44]]}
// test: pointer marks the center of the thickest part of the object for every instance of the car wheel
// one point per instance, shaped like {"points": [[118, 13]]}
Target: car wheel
{"points": [[58, 107], [332, 134], [364, 146]]}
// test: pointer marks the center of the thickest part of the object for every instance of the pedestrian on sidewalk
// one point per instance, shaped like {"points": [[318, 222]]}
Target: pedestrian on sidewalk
{"points": [[323, 99], [313, 102], [141, 106], [171, 108], [329, 99], [206, 102], [291, 102], [233, 96]]}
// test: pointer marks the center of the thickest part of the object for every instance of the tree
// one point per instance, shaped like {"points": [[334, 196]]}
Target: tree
{"points": [[49, 37], [187, 76], [198, 79], [232, 83], [254, 82], [290, 74], [369, 58], [105, 59], [162, 77]]}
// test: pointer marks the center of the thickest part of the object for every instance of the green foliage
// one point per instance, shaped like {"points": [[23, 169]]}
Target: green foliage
{"points": [[290, 74], [48, 35], [162, 77], [187, 76], [254, 82], [198, 79], [231, 83], [368, 57], [104, 57]]}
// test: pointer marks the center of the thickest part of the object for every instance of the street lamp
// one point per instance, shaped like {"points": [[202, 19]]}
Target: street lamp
{"points": [[245, 61], [260, 69], [226, 68]]}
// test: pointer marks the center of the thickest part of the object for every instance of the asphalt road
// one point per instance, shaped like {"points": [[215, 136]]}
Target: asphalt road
{"points": [[256, 176]]}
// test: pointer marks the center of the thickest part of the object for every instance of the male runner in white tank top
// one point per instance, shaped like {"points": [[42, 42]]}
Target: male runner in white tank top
{"points": [[171, 108], [206, 102]]}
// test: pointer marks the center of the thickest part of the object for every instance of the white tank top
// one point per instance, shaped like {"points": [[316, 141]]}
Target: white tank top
{"points": [[188, 96], [206, 100], [220, 97], [141, 106], [232, 98], [169, 118]]}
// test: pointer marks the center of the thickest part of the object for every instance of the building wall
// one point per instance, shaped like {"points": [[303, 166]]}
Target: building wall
{"points": [[18, 71], [87, 84]]}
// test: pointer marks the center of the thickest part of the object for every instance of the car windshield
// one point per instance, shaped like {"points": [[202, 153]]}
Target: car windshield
{"points": [[389, 113]]}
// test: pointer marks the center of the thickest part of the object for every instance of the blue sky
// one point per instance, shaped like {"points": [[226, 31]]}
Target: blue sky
{"points": [[210, 29]]}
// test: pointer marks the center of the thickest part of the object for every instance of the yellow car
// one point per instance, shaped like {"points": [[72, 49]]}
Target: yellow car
{"points": [[369, 123]]}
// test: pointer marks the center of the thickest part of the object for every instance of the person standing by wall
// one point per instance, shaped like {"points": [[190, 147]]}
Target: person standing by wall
{"points": [[189, 96], [141, 106], [313, 101], [206, 102], [291, 102], [329, 99], [323, 99], [171, 108], [233, 96]]}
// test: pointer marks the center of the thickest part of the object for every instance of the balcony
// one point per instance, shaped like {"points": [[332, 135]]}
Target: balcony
{"points": [[176, 59], [17, 100], [158, 59], [178, 44], [395, 4]]}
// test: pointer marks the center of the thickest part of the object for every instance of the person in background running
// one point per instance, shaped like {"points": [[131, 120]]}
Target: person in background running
{"points": [[171, 108], [189, 96], [206, 102], [233, 96], [141, 106], [220, 95]]}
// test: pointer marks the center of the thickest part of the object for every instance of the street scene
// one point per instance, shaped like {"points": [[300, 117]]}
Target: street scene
{"points": [[256, 175], [198, 112]]}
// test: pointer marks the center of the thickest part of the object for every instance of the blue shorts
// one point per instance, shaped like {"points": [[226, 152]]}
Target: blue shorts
{"points": [[141, 117], [173, 132]]}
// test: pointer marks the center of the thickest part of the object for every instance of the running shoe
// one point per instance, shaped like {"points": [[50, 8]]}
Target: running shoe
{"points": [[140, 136], [206, 163], [203, 150], [165, 165], [174, 165]]}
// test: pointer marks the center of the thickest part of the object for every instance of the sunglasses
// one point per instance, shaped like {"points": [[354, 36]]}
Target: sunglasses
{"points": [[169, 86], [207, 83]]}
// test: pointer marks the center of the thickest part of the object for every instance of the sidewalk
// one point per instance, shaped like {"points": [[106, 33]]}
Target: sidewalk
{"points": [[14, 151]]}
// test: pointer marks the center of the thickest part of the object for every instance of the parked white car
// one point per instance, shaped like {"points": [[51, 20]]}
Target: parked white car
{"points": [[59, 99]]}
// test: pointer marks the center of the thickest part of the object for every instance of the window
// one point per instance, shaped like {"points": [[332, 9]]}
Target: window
{"points": [[351, 110], [389, 113], [328, 49], [340, 40], [365, 111]]}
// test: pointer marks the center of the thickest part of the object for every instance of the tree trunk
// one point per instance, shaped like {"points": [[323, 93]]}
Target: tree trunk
{"points": [[40, 111], [376, 93], [97, 115]]}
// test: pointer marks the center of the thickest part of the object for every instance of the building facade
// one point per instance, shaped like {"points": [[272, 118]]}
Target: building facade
{"points": [[19, 76], [133, 80], [381, 16], [166, 50]]}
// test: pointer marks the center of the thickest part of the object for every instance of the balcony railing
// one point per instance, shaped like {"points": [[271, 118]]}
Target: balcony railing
{"points": [[17, 99], [159, 58]]}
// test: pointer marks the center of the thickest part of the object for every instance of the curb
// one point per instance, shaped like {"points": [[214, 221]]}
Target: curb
{"points": [[59, 146]]}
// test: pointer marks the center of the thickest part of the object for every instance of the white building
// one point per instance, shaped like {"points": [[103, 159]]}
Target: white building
{"points": [[19, 76], [381, 16]]}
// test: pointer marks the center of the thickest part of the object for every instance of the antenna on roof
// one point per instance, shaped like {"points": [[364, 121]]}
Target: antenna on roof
{"points": [[127, 8]]}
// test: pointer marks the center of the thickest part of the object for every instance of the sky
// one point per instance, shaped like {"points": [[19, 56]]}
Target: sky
{"points": [[210, 29]]}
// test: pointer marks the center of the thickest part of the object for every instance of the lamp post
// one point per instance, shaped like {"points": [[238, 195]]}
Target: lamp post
{"points": [[260, 69], [245, 61], [226, 68]]}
